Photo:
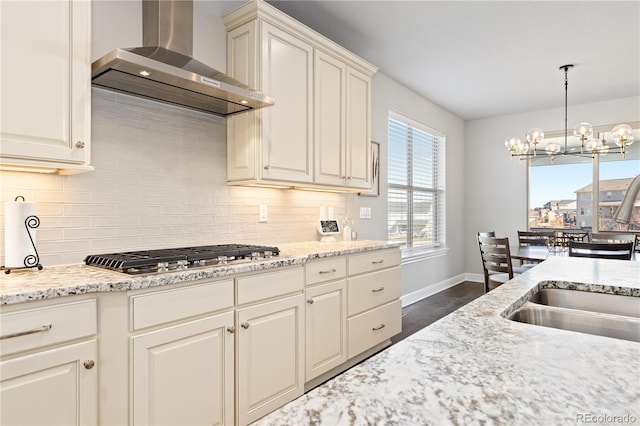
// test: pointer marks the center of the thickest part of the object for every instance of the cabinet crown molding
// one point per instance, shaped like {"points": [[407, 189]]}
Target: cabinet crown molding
{"points": [[260, 10]]}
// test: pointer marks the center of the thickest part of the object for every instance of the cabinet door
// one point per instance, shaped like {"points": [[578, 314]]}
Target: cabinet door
{"points": [[326, 328], [184, 374], [243, 134], [287, 77], [329, 110], [46, 80], [270, 364], [50, 387], [358, 129]]}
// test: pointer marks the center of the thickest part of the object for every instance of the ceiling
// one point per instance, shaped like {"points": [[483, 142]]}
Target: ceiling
{"points": [[481, 59]]}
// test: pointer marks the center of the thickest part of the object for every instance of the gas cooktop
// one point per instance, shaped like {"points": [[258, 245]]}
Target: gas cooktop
{"points": [[164, 260]]}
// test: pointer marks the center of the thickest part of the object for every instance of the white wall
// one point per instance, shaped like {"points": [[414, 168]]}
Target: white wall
{"points": [[422, 277], [495, 187]]}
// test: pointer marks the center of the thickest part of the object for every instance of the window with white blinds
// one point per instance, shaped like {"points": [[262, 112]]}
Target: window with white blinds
{"points": [[416, 214]]}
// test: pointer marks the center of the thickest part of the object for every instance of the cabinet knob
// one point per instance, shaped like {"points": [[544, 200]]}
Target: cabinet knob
{"points": [[88, 364], [231, 329], [244, 325], [267, 167], [80, 144], [310, 301]]}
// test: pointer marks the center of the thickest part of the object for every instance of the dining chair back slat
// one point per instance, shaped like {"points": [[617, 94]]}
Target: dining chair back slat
{"points": [[496, 259], [534, 238], [601, 250], [610, 237]]}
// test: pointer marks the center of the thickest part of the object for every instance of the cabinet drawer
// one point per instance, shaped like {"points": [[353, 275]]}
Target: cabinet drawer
{"points": [[270, 284], [325, 270], [373, 261], [375, 326], [34, 328], [171, 305], [370, 290]]}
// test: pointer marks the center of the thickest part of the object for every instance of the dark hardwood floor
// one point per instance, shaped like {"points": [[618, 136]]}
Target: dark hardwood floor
{"points": [[432, 308]]}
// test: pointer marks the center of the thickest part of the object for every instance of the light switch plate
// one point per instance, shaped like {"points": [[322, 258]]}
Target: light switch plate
{"points": [[365, 212], [263, 212]]}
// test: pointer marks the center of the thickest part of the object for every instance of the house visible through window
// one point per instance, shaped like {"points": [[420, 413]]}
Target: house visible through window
{"points": [[416, 213], [568, 182]]}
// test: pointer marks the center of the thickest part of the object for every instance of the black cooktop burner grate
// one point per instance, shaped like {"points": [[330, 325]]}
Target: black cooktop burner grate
{"points": [[148, 261]]}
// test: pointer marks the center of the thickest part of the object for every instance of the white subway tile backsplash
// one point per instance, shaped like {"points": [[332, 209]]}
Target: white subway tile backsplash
{"points": [[159, 181]]}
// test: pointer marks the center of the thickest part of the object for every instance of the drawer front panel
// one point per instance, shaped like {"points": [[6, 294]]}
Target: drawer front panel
{"points": [[266, 285], [34, 328], [171, 305], [370, 290], [326, 270], [373, 261], [375, 326]]}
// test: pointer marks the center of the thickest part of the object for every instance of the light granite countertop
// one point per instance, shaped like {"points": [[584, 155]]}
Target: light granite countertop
{"points": [[476, 367], [66, 280]]}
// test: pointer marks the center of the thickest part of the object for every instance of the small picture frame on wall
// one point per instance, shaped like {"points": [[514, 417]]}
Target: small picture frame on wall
{"points": [[375, 172]]}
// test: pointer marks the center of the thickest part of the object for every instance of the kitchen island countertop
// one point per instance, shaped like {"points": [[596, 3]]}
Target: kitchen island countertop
{"points": [[474, 366], [66, 280]]}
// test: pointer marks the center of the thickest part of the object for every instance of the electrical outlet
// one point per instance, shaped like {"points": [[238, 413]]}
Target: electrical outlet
{"points": [[263, 212], [365, 212]]}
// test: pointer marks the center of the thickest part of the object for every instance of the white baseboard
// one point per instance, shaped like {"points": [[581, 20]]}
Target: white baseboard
{"points": [[418, 295], [476, 278]]}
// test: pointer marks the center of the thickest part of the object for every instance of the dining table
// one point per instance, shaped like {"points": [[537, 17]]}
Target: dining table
{"points": [[541, 253]]}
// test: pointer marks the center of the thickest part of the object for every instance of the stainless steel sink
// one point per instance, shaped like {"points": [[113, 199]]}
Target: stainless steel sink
{"points": [[616, 326], [588, 301]]}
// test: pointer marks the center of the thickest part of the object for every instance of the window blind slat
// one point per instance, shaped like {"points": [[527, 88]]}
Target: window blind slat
{"points": [[416, 198]]}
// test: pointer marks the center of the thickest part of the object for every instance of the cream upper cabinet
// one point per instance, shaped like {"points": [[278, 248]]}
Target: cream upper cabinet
{"points": [[46, 85], [279, 148], [358, 125], [48, 372], [342, 124], [318, 132]]}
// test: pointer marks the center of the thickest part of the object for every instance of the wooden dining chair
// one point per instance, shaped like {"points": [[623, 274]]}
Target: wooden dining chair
{"points": [[610, 237], [622, 251], [575, 236], [496, 261]]}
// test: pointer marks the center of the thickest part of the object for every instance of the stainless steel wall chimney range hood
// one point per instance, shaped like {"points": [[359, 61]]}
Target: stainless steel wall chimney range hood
{"points": [[164, 70]]}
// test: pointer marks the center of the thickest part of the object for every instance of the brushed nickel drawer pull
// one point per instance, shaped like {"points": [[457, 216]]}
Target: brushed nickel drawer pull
{"points": [[45, 327], [376, 290], [330, 271], [380, 327], [244, 325], [377, 262]]}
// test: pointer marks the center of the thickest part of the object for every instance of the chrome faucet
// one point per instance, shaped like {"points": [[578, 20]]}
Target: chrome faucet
{"points": [[623, 214]]}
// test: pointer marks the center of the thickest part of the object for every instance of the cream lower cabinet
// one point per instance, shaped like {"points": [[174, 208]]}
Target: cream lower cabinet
{"points": [[46, 85], [325, 316], [44, 381], [184, 374], [270, 343], [374, 309]]}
